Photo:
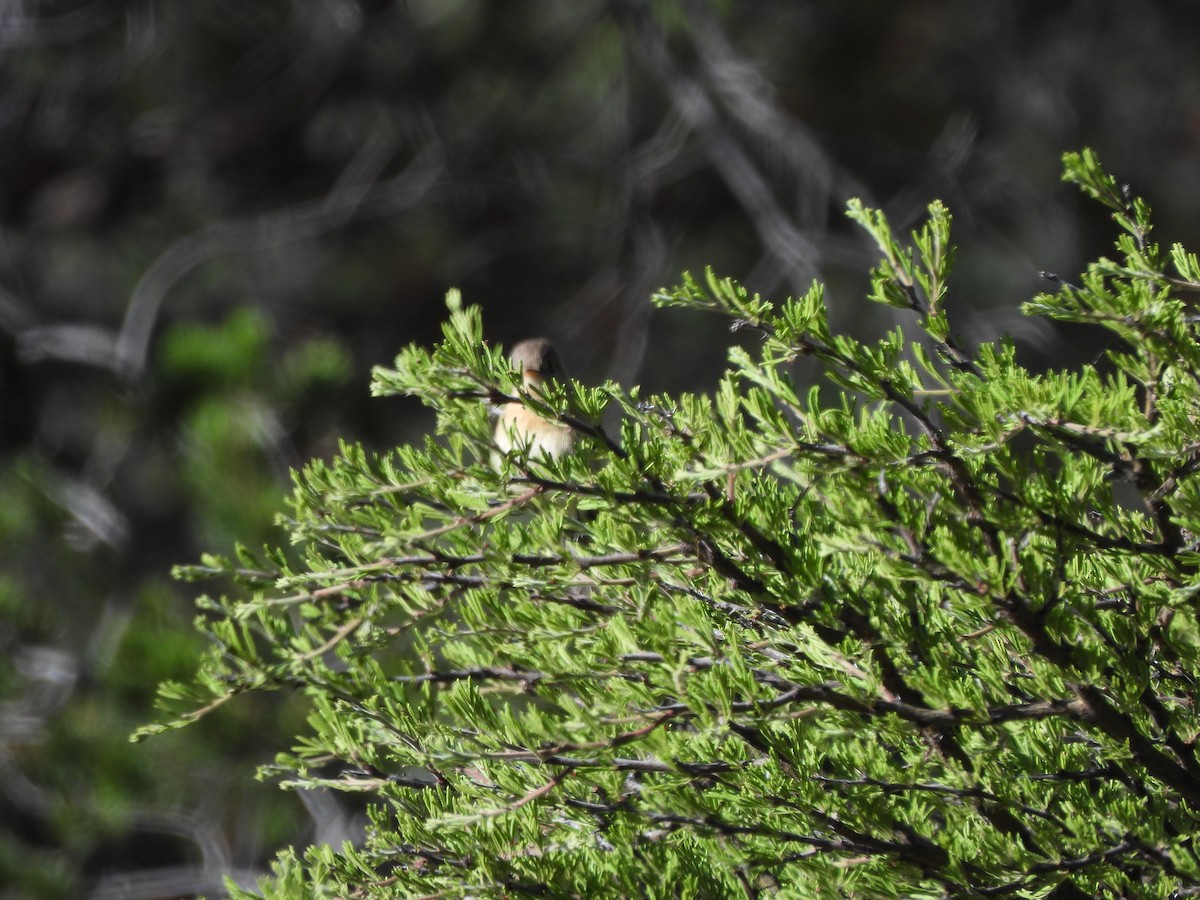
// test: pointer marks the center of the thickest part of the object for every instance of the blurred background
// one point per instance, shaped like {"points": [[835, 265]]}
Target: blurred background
{"points": [[215, 217]]}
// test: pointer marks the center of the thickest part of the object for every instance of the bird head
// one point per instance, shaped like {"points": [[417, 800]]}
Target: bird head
{"points": [[537, 361]]}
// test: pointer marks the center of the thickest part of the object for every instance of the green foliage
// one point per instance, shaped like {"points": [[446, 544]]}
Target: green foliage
{"points": [[240, 402], [89, 625], [925, 628]]}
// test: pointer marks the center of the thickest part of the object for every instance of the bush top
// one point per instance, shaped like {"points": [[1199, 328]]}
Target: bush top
{"points": [[926, 627]]}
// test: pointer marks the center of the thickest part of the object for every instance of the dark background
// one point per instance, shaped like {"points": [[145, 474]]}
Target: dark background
{"points": [[216, 216]]}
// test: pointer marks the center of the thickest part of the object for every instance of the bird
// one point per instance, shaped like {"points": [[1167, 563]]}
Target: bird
{"points": [[518, 426]]}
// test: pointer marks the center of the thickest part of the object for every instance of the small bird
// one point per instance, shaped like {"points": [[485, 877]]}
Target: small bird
{"points": [[518, 426]]}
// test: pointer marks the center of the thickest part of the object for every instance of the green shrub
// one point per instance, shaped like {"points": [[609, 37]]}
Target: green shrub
{"points": [[926, 628]]}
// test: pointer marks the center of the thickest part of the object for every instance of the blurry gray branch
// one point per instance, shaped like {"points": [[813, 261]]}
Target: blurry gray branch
{"points": [[356, 196], [170, 881], [796, 252], [50, 676], [77, 342], [21, 26], [14, 316], [331, 825], [352, 198], [206, 877], [94, 517], [748, 98]]}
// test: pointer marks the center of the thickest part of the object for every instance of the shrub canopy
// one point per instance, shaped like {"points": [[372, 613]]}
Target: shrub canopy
{"points": [[925, 628]]}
